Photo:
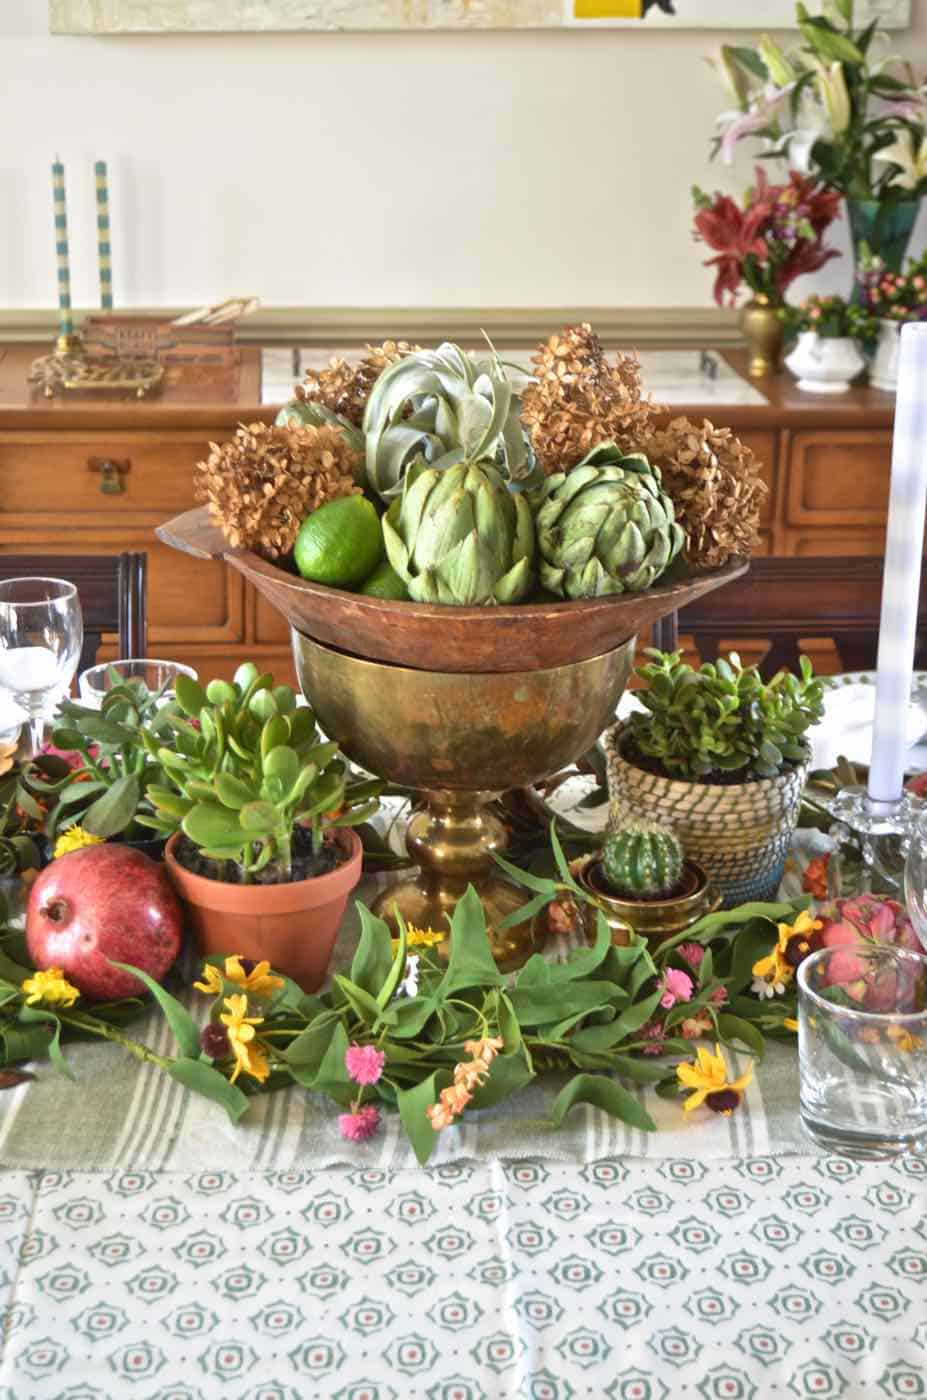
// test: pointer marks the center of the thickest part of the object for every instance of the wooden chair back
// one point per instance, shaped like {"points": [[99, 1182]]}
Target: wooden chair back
{"points": [[787, 600], [113, 590]]}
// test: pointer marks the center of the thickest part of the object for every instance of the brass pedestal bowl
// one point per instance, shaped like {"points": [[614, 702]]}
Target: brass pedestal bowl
{"points": [[458, 703], [460, 739]]}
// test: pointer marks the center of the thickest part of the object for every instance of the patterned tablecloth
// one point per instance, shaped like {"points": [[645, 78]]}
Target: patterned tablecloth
{"points": [[764, 1277]]}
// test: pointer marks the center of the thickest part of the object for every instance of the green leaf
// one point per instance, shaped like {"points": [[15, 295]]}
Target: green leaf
{"points": [[471, 963], [332, 1077], [507, 1074], [13, 972], [394, 976], [542, 1005], [183, 1027], [584, 961], [604, 1093], [212, 826], [307, 1049], [361, 1002], [22, 1042], [282, 763], [204, 1079], [412, 1015], [638, 1070], [371, 963], [733, 1028], [231, 792], [749, 59], [597, 1038], [111, 814], [412, 1104], [542, 884], [754, 941], [32, 1014], [191, 697]]}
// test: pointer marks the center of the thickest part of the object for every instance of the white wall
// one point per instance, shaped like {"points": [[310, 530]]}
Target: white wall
{"points": [[497, 169]]}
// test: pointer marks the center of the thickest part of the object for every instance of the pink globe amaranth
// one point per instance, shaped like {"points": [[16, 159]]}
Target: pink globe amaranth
{"points": [[866, 917], [101, 903]]}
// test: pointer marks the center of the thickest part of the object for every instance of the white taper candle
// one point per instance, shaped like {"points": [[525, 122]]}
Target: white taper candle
{"points": [[902, 578]]}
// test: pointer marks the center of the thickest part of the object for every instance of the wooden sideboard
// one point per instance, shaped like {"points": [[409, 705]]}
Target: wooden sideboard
{"points": [[85, 476]]}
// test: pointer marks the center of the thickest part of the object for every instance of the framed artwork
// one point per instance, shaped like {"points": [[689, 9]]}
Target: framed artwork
{"points": [[216, 16]]}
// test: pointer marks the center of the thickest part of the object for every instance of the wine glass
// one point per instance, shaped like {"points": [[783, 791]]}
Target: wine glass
{"points": [[915, 876], [41, 634]]}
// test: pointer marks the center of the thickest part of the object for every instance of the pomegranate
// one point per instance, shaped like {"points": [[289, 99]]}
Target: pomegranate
{"points": [[100, 903]]}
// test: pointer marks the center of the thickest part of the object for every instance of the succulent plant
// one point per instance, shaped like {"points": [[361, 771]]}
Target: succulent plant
{"points": [[103, 788], [642, 861], [606, 526], [459, 536], [447, 407], [244, 767], [722, 718]]}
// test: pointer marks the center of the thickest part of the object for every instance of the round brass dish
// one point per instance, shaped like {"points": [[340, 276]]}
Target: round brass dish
{"points": [[655, 919], [460, 739]]}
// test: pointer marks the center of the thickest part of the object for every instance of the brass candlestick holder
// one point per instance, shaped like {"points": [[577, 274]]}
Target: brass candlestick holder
{"points": [[69, 370]]}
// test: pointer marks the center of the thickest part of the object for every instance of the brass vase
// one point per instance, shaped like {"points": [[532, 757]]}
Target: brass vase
{"points": [[764, 334], [460, 739]]}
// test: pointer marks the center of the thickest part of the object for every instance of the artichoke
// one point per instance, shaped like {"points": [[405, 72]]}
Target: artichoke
{"points": [[447, 407], [458, 535], [606, 526]]}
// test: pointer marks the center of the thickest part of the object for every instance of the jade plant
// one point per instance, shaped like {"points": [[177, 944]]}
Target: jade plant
{"points": [[103, 785], [722, 719], [243, 768], [642, 861]]}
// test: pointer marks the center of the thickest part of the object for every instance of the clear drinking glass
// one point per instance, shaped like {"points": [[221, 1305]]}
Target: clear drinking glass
{"points": [[41, 634], [862, 1039], [915, 877], [158, 677]]}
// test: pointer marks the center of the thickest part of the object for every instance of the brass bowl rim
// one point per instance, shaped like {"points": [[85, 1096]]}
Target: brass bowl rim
{"points": [[459, 676], [406, 607]]}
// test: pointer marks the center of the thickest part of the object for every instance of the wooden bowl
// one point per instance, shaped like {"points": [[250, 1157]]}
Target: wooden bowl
{"points": [[427, 637]]}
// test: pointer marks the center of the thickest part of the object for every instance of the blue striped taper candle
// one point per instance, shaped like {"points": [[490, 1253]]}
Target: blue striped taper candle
{"points": [[104, 254], [902, 578], [65, 321]]}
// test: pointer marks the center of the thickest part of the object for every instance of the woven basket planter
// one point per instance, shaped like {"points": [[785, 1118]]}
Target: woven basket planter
{"points": [[739, 834]]}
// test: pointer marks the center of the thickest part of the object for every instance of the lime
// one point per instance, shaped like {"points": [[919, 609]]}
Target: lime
{"points": [[384, 582], [340, 543]]}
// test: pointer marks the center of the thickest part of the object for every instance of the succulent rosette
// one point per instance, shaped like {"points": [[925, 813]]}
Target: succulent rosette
{"points": [[606, 526], [457, 535]]}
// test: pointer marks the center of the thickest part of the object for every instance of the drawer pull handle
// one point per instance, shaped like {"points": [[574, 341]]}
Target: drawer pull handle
{"points": [[111, 474]]}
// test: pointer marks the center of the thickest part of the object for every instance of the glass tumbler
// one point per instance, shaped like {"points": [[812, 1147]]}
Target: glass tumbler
{"points": [[915, 877], [862, 1038], [156, 677]]}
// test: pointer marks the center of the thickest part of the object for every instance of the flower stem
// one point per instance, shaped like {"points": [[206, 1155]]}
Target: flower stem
{"points": [[108, 1032]]}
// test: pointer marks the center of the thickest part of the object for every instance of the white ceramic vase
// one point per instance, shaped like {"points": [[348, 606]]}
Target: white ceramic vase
{"points": [[883, 372], [825, 364]]}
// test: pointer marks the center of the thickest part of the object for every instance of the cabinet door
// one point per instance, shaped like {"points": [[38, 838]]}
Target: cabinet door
{"points": [[839, 480]]}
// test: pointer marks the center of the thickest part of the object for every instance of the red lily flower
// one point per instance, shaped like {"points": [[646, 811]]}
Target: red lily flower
{"points": [[736, 234]]}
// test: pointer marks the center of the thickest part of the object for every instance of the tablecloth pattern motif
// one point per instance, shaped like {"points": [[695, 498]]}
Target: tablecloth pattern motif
{"points": [[630, 1280]]}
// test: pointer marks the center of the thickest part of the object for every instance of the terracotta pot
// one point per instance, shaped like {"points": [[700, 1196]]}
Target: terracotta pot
{"points": [[293, 926]]}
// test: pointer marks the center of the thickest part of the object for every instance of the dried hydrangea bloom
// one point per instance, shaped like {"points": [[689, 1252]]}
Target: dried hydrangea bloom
{"points": [[580, 400], [344, 388], [262, 484], [715, 484]]}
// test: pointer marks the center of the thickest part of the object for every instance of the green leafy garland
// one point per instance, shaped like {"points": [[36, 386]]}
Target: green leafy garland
{"points": [[599, 1016]]}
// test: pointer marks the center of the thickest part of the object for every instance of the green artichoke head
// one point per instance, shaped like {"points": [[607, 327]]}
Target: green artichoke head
{"points": [[606, 526], [457, 535], [445, 406]]}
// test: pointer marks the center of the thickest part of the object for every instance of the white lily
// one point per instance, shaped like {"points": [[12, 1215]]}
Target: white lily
{"points": [[778, 66], [910, 157], [761, 113], [832, 91], [408, 987]]}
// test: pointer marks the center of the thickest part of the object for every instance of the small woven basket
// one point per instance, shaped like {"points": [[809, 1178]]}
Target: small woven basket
{"points": [[739, 834]]}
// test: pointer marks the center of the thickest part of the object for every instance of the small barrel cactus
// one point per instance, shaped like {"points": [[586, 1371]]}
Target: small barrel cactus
{"points": [[642, 861]]}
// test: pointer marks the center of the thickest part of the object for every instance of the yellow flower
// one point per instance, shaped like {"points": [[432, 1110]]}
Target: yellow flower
{"points": [[904, 1039], [790, 1023], [420, 938], [49, 987], [249, 1055], [8, 756], [75, 839], [774, 972], [257, 983], [707, 1076]]}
